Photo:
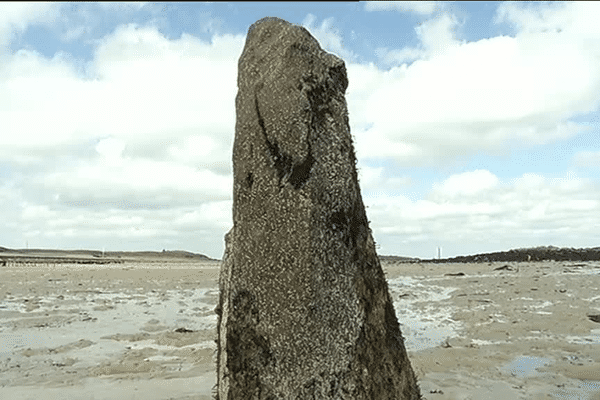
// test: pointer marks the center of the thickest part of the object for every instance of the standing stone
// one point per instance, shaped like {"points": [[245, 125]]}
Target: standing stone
{"points": [[304, 308]]}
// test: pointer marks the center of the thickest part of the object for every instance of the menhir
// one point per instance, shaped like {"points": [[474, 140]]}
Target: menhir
{"points": [[304, 308]]}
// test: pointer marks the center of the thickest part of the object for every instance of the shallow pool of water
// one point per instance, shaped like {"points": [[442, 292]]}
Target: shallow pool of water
{"points": [[526, 366], [425, 319]]}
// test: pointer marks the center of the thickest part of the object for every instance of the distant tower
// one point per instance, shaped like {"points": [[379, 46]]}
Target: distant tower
{"points": [[439, 253]]}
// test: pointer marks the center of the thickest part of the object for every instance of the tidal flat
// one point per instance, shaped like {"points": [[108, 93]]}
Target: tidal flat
{"points": [[145, 328]]}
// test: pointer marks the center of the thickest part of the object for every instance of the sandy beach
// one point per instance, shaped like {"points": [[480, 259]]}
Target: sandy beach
{"points": [[144, 328]]}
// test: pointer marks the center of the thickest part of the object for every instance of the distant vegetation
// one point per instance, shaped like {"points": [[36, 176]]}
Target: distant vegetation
{"points": [[543, 253]]}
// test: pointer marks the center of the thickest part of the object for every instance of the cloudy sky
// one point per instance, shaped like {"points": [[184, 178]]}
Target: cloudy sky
{"points": [[475, 124]]}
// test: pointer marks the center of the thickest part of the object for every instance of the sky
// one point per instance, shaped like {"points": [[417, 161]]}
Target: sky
{"points": [[475, 124]]}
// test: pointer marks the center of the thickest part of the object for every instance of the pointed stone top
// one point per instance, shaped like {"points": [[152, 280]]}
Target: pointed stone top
{"points": [[273, 44]]}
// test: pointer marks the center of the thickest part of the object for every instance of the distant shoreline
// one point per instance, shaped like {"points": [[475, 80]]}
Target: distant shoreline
{"points": [[543, 253], [93, 256]]}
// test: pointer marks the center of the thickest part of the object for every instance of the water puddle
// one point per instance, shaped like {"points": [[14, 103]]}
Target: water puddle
{"points": [[425, 320], [95, 316], [592, 338], [526, 366]]}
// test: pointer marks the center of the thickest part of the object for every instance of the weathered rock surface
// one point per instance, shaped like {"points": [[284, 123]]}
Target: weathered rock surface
{"points": [[304, 308]]}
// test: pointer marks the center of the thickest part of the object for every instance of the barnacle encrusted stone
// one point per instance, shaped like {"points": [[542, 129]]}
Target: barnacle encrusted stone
{"points": [[304, 309]]}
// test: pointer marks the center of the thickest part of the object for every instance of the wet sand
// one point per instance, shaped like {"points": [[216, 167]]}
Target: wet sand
{"points": [[517, 330], [145, 329]]}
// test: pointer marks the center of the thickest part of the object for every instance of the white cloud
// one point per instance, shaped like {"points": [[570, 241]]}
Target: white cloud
{"points": [[15, 17], [74, 33], [329, 36], [111, 149], [123, 5], [417, 7], [572, 17], [126, 229], [477, 212], [79, 21], [587, 159], [376, 179], [460, 97], [398, 56], [209, 23], [148, 127], [436, 37], [468, 183], [140, 180], [142, 88]]}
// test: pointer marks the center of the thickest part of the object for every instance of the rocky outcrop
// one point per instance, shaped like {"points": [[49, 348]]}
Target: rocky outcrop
{"points": [[304, 309]]}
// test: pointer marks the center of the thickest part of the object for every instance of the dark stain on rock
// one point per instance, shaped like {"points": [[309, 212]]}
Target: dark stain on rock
{"points": [[352, 224], [249, 352], [301, 172], [287, 171]]}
